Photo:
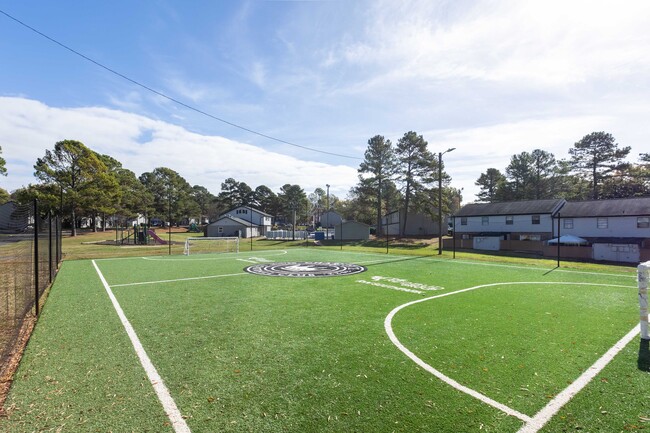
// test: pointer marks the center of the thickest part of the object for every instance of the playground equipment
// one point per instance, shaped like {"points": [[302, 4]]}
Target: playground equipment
{"points": [[138, 234]]}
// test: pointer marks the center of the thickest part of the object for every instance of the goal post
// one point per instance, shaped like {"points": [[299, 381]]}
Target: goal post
{"points": [[643, 275], [204, 245]]}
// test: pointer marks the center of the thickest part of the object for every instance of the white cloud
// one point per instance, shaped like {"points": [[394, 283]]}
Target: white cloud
{"points": [[548, 43], [28, 128]]}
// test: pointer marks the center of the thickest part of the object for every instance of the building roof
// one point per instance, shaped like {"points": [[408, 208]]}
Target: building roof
{"points": [[246, 207], [638, 206], [527, 207], [235, 219]]}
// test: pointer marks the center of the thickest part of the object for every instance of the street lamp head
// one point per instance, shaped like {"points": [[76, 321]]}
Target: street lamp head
{"points": [[450, 149]]}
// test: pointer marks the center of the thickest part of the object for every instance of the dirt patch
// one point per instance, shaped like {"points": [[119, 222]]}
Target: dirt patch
{"points": [[13, 361]]}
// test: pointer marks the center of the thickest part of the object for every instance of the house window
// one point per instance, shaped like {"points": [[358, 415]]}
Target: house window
{"points": [[220, 230], [643, 222], [244, 211], [530, 237], [568, 223], [535, 219], [463, 221], [509, 220], [601, 223]]}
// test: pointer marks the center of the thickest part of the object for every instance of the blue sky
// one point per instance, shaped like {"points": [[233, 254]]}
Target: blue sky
{"points": [[490, 78]]}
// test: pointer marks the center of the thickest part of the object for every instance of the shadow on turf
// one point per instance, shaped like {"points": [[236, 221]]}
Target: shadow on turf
{"points": [[644, 355], [405, 259]]}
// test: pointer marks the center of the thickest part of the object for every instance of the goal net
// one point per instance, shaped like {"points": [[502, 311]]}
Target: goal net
{"points": [[211, 245], [643, 273]]}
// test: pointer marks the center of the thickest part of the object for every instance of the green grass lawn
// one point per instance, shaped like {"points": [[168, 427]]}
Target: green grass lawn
{"points": [[241, 352]]}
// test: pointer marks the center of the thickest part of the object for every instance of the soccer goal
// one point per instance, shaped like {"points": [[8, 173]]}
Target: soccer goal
{"points": [[643, 273], [211, 245]]}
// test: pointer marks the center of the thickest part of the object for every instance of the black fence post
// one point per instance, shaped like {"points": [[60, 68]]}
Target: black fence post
{"points": [[49, 246], [36, 228]]}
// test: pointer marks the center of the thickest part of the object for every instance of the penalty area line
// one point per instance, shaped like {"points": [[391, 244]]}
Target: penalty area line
{"points": [[179, 279], [165, 398]]}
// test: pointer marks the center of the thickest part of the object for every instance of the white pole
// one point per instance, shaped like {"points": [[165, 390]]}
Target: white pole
{"points": [[643, 272]]}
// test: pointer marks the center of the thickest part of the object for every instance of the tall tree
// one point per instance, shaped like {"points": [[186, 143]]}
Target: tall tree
{"points": [[75, 169], [293, 198], [377, 168], [596, 156], [543, 170], [234, 194], [204, 199], [492, 184], [415, 168], [266, 200], [520, 176], [317, 202], [172, 194], [3, 168]]}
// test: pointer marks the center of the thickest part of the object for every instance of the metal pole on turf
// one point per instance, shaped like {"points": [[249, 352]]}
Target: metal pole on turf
{"points": [[558, 240], [643, 271]]}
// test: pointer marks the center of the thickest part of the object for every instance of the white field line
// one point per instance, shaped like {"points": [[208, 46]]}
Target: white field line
{"points": [[554, 406], [199, 259], [542, 416], [174, 415], [143, 283], [399, 257]]}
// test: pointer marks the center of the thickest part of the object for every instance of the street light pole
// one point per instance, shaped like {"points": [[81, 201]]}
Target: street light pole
{"points": [[440, 197]]}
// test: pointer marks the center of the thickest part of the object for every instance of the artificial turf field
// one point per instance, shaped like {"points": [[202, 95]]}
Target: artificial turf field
{"points": [[488, 347]]}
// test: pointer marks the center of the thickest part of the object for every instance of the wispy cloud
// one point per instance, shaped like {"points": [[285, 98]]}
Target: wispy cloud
{"points": [[28, 128]]}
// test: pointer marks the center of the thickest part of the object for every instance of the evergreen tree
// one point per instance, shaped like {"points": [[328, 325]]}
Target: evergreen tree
{"points": [[597, 157]]}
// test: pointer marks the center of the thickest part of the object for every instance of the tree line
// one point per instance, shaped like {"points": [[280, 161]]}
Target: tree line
{"points": [[596, 169], [407, 177]]}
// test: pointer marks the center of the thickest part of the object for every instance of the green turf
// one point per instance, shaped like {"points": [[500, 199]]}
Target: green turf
{"points": [[241, 352]]}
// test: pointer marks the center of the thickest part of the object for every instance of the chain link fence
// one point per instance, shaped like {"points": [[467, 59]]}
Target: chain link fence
{"points": [[30, 253]]}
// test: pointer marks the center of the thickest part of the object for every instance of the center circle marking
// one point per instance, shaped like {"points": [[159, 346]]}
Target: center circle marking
{"points": [[305, 269]]}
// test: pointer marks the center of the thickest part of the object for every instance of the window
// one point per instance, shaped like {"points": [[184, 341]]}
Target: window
{"points": [[530, 237], [463, 221], [485, 220], [244, 211], [220, 229], [509, 220], [535, 219], [568, 223], [643, 222], [601, 223]]}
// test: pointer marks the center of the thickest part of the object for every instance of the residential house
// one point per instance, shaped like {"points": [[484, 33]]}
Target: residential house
{"points": [[351, 230], [530, 220], [331, 219], [618, 229], [417, 224], [230, 226], [255, 216]]}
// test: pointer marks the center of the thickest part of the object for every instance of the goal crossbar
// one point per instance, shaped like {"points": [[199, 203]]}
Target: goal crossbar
{"points": [[643, 276], [196, 245]]}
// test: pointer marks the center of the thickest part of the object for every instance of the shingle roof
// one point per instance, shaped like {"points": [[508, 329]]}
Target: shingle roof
{"points": [[527, 207], [639, 206]]}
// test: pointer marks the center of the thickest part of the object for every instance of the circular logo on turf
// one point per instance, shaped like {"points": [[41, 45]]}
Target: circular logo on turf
{"points": [[305, 269]]}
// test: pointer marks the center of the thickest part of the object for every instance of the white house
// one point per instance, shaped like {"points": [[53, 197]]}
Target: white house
{"points": [[417, 224], [530, 220], [258, 218], [229, 226], [618, 229], [351, 230]]}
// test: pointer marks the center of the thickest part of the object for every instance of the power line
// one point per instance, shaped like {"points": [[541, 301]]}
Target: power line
{"points": [[163, 95]]}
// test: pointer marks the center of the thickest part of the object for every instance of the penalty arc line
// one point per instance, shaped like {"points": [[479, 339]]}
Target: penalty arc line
{"points": [[165, 398], [532, 424]]}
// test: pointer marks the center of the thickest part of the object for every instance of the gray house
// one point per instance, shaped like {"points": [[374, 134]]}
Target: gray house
{"points": [[351, 230], [529, 220], [417, 224], [618, 229], [246, 213], [229, 226]]}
